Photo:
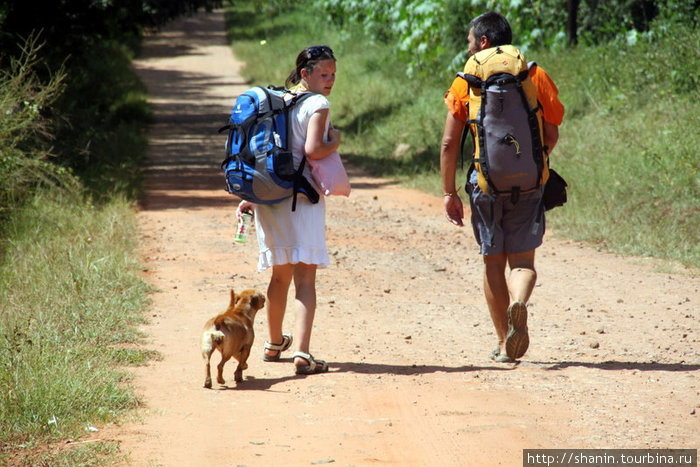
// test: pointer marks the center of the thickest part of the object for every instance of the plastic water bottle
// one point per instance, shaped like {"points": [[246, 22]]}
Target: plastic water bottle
{"points": [[243, 227]]}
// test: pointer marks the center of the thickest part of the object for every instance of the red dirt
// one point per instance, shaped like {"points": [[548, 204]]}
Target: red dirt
{"points": [[614, 356]]}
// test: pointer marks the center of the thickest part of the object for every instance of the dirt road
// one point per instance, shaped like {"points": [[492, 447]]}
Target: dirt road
{"points": [[614, 358]]}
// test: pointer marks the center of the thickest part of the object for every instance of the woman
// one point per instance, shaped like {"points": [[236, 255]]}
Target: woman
{"points": [[293, 243]]}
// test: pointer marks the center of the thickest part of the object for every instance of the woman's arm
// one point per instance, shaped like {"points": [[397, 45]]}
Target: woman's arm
{"points": [[316, 146], [245, 206]]}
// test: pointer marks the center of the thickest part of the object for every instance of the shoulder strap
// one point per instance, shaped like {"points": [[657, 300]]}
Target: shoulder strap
{"points": [[301, 184], [465, 130], [473, 80], [299, 98]]}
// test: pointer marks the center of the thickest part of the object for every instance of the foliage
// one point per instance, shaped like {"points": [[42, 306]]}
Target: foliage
{"points": [[432, 34], [71, 26], [100, 136], [92, 42], [624, 77], [626, 146], [25, 129]]}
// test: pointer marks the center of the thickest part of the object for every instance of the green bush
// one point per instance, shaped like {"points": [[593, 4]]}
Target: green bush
{"points": [[25, 130], [101, 137], [429, 35]]}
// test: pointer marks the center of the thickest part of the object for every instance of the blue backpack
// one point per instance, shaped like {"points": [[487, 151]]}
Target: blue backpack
{"points": [[259, 166]]}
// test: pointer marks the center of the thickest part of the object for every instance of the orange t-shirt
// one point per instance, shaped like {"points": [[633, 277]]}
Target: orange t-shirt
{"points": [[457, 96]]}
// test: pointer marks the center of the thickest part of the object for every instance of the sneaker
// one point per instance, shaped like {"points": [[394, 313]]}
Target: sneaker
{"points": [[517, 340]]}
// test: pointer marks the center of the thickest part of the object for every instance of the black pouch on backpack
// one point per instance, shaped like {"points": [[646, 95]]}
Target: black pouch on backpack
{"points": [[554, 191]]}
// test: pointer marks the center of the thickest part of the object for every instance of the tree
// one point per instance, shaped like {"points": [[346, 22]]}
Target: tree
{"points": [[572, 22], [69, 25]]}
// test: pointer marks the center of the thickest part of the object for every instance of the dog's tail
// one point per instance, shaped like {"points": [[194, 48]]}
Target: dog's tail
{"points": [[217, 336], [210, 339], [216, 333]]}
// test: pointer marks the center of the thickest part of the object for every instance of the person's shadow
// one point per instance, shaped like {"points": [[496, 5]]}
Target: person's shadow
{"points": [[264, 384], [617, 366]]}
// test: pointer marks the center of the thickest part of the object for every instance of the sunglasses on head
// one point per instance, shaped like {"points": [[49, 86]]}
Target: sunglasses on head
{"points": [[317, 51]]}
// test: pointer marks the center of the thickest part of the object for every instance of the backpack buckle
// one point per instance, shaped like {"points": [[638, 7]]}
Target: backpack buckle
{"points": [[511, 141]]}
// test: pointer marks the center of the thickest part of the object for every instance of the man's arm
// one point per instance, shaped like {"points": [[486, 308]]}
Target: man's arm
{"points": [[449, 155], [552, 108], [551, 134]]}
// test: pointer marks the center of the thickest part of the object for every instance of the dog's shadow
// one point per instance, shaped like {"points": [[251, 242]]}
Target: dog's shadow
{"points": [[251, 383]]}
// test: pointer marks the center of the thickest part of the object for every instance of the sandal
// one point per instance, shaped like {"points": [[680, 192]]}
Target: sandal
{"points": [[286, 343], [314, 366], [497, 356]]}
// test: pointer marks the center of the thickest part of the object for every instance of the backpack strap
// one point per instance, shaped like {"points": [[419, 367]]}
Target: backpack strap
{"points": [[301, 184], [465, 130], [534, 124], [483, 156], [474, 81]]}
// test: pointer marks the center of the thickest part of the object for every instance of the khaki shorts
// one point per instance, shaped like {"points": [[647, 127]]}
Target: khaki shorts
{"points": [[501, 226]]}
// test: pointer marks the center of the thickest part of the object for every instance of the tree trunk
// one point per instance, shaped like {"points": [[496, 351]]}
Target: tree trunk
{"points": [[572, 22]]}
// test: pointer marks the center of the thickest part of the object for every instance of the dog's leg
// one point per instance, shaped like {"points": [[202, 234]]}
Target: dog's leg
{"points": [[242, 363], [207, 375], [207, 350], [220, 367], [238, 374]]}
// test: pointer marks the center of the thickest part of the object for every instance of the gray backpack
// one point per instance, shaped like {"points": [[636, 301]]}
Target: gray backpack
{"points": [[505, 122]]}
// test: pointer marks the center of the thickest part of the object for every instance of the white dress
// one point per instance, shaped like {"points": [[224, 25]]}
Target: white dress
{"points": [[300, 236]]}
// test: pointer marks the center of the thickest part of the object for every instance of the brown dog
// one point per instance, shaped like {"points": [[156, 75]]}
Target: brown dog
{"points": [[231, 333]]}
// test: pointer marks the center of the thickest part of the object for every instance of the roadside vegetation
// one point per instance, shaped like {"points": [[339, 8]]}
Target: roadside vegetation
{"points": [[70, 292], [72, 142], [632, 99]]}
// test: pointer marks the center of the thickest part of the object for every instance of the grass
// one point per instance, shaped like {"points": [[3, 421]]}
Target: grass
{"points": [[71, 299], [94, 454], [641, 201], [629, 148], [627, 145], [71, 294]]}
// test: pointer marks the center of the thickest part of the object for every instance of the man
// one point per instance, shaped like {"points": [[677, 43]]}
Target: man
{"points": [[508, 229]]}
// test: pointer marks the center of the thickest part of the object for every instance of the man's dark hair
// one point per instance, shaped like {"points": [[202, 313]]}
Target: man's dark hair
{"points": [[494, 26]]}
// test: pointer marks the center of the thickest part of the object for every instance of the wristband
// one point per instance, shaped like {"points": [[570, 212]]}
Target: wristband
{"points": [[451, 193]]}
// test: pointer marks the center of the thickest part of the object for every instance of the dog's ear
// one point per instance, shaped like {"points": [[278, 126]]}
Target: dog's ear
{"points": [[234, 298], [257, 301]]}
